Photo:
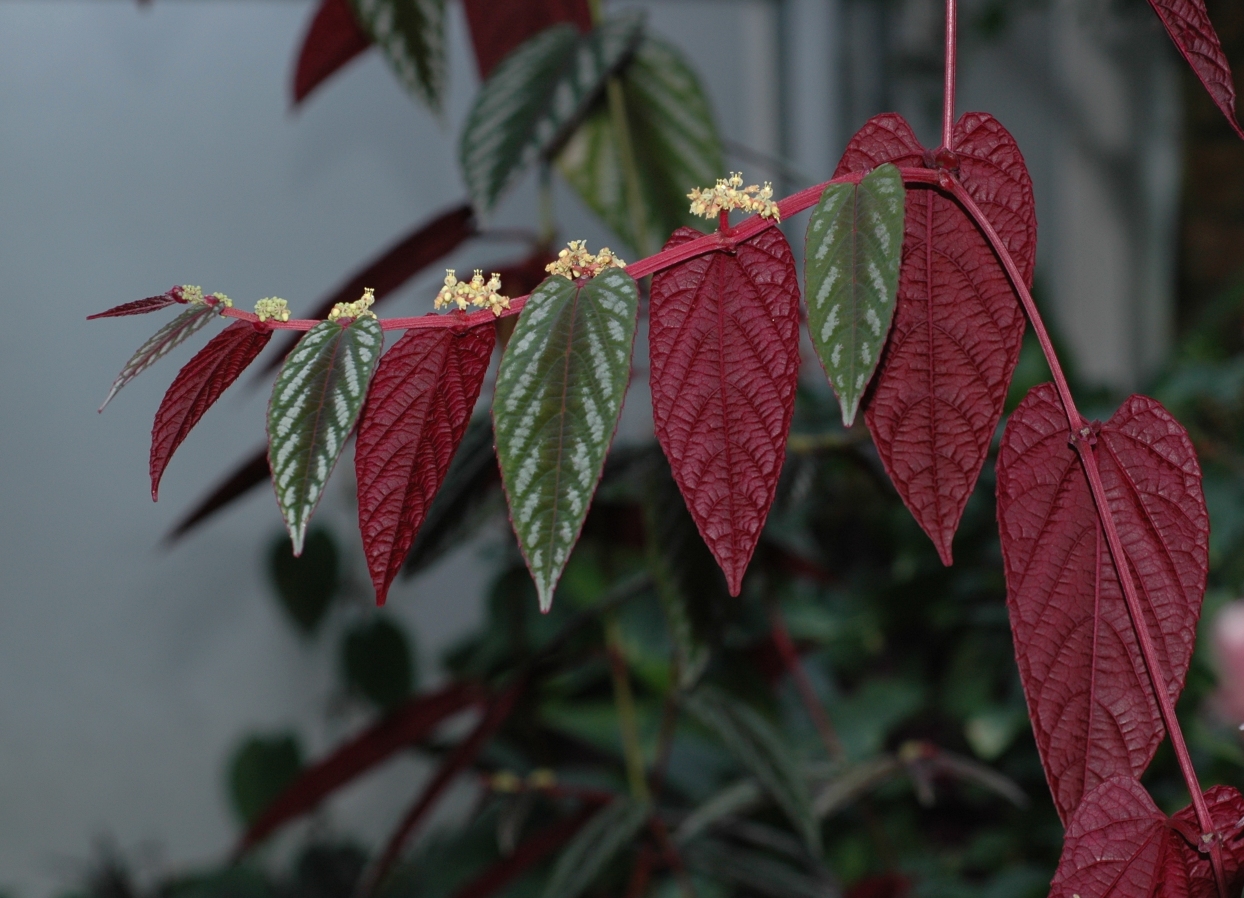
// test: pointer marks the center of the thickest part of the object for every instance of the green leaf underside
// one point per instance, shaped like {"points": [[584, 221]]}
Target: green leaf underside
{"points": [[534, 98], [411, 33], [673, 136], [758, 746], [161, 343], [854, 247], [315, 403], [558, 398], [610, 830]]}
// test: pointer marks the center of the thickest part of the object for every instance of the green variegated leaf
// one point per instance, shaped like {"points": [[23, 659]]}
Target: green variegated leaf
{"points": [[315, 403], [412, 35], [535, 97], [558, 398], [161, 343], [674, 139], [610, 830], [854, 246], [759, 747]]}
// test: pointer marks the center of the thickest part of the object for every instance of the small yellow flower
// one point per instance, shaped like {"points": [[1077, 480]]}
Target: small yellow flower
{"points": [[542, 778], [505, 781], [191, 294], [577, 262], [475, 292], [729, 193], [221, 301], [272, 307], [360, 308]]}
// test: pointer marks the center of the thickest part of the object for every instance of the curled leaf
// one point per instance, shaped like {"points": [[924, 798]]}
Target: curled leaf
{"points": [[167, 338], [137, 307]]}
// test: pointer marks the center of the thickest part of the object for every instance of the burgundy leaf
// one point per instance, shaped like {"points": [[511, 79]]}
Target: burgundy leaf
{"points": [[406, 725], [333, 39], [1119, 845], [1188, 24], [499, 26], [1089, 695], [724, 350], [249, 474], [958, 325], [137, 307], [529, 853], [399, 263], [197, 387], [417, 410]]}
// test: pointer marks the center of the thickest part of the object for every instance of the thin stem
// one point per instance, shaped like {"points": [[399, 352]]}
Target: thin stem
{"points": [[948, 94], [672, 857], [803, 685], [632, 753]]}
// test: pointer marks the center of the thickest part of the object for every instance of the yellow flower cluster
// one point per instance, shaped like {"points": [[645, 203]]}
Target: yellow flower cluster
{"points": [[222, 301], [731, 194], [475, 292], [191, 294], [576, 262], [540, 778], [272, 307], [360, 308]]}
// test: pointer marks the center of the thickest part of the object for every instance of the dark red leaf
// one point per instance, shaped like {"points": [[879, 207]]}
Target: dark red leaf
{"points": [[724, 349], [333, 39], [137, 307], [408, 724], [1119, 845], [1089, 695], [418, 407], [529, 853], [399, 263], [249, 474], [499, 26], [958, 324], [197, 387], [1188, 24]]}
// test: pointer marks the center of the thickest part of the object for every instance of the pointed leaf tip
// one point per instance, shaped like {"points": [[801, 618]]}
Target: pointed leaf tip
{"points": [[161, 344], [333, 38]]}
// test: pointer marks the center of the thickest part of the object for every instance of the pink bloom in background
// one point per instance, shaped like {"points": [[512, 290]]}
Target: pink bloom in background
{"points": [[1229, 653]]}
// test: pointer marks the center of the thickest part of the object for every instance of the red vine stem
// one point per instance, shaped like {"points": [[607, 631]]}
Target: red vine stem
{"points": [[948, 92], [1083, 441]]}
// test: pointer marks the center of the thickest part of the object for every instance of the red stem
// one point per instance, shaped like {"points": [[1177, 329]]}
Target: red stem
{"points": [[1081, 440], [948, 93], [807, 693]]}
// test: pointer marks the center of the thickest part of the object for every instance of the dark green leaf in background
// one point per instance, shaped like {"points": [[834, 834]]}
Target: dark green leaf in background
{"points": [[854, 246], [535, 97], [377, 662], [558, 399], [308, 583], [611, 829], [412, 35], [260, 770]]}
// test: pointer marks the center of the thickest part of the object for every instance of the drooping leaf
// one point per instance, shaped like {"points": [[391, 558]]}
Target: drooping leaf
{"points": [[377, 663], [416, 414], [429, 241], [260, 769], [1089, 695], [137, 307], [1188, 24], [333, 38], [197, 387], [411, 33], [854, 246], [760, 748], [600, 840], [673, 137], [1119, 845], [724, 350], [407, 725], [167, 338], [958, 326], [306, 584], [534, 98], [558, 399], [497, 28], [535, 849], [316, 400], [245, 477]]}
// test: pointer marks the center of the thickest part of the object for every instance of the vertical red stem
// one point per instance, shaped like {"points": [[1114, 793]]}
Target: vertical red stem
{"points": [[948, 94]]}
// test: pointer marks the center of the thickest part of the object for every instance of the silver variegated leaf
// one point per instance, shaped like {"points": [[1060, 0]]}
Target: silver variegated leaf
{"points": [[854, 247], [173, 334], [610, 830], [558, 398], [315, 404], [411, 33]]}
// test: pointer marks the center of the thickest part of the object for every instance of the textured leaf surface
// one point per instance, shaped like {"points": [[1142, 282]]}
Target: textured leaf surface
{"points": [[558, 399], [610, 830], [497, 28], [724, 351], [332, 40], [316, 400], [1089, 696], [1188, 24], [1119, 845], [412, 35], [673, 137], [164, 341], [759, 747], [958, 325], [531, 101], [197, 387], [417, 411], [137, 307], [247, 475], [854, 247], [409, 724]]}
